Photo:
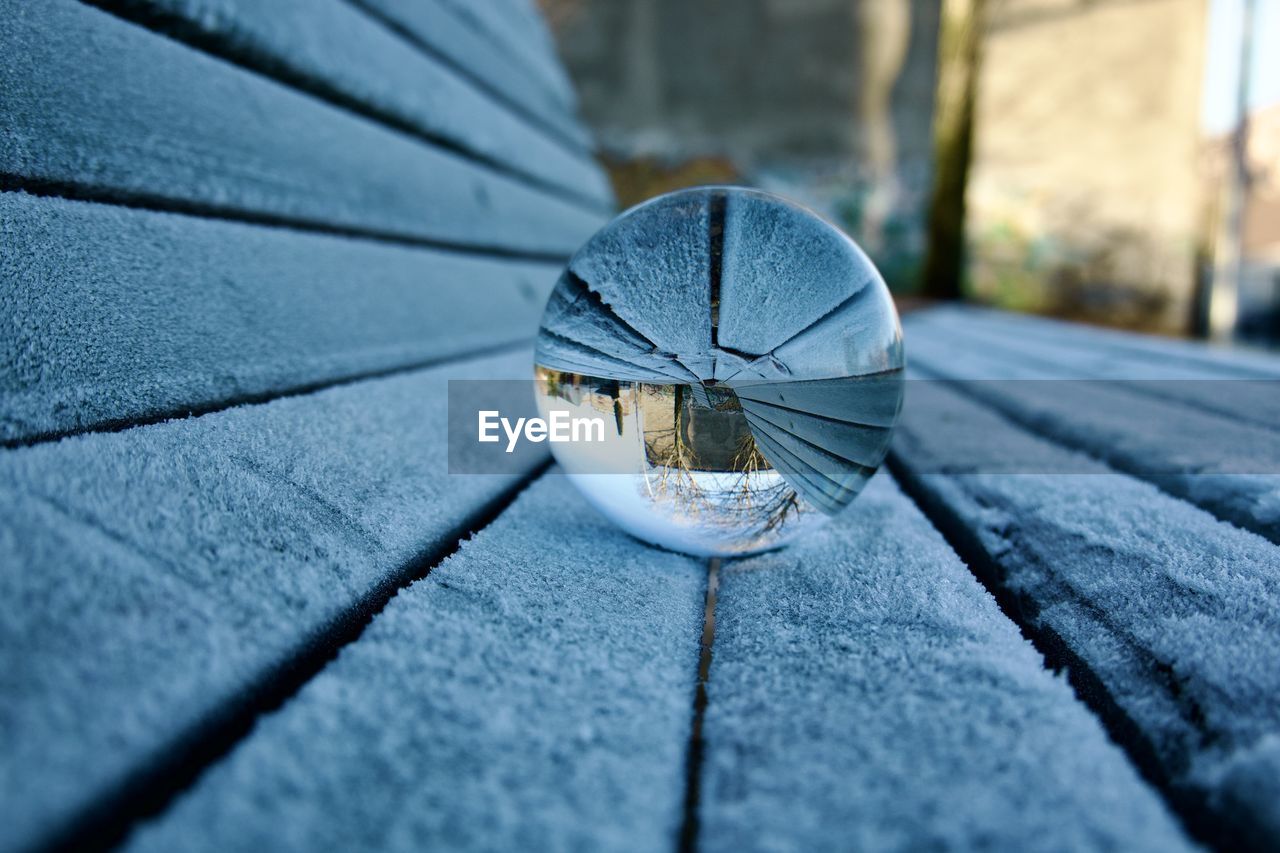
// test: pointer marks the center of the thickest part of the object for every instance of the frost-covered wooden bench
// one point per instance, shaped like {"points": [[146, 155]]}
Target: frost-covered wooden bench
{"points": [[244, 245]]}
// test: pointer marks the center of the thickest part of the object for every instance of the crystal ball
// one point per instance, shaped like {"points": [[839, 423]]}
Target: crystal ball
{"points": [[745, 357]]}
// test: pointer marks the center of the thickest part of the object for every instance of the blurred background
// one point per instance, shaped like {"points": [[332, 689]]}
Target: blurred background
{"points": [[1109, 161]]}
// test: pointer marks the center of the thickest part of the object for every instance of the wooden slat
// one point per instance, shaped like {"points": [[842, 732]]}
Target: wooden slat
{"points": [[435, 29], [1131, 351], [866, 693], [525, 18], [534, 692], [755, 314], [112, 315], [518, 32], [156, 582], [1165, 617], [1228, 466], [1242, 385], [651, 274], [525, 14], [339, 53], [97, 106]]}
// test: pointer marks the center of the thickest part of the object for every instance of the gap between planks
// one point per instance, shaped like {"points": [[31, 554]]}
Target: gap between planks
{"points": [[303, 390], [178, 29], [687, 841], [151, 790]]}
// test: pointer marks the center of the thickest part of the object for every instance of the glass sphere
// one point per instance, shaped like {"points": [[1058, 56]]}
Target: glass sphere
{"points": [[746, 358]]}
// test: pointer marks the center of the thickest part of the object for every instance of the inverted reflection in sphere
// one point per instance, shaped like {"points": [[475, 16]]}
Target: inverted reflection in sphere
{"points": [[746, 357]]}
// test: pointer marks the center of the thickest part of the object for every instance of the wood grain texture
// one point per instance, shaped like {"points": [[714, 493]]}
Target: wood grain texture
{"points": [[438, 31], [335, 51], [154, 583], [867, 694], [1176, 433], [1095, 345], [100, 107], [1164, 616], [518, 30], [534, 692], [110, 315], [1243, 385]]}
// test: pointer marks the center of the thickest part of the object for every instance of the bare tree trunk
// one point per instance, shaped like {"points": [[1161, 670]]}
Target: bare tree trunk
{"points": [[959, 57]]}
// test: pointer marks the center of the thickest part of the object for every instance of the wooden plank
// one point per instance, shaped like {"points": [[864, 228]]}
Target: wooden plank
{"points": [[434, 29], [340, 54], [99, 107], [1129, 349], [866, 693], [517, 29], [534, 692], [581, 328], [526, 18], [872, 400], [755, 314], [854, 442], [1227, 466], [1243, 385], [826, 483], [652, 274], [1165, 617], [112, 315], [157, 583]]}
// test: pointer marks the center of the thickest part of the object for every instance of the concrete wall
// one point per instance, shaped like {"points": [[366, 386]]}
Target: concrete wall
{"points": [[1084, 193], [829, 101]]}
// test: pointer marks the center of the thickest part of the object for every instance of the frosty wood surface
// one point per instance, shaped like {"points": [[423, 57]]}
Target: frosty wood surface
{"points": [[866, 693], [756, 314], [653, 276], [533, 692], [1242, 385], [97, 106], [517, 29], [1165, 616], [1229, 466], [154, 581], [1127, 350], [341, 54], [438, 31], [111, 315], [536, 689]]}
